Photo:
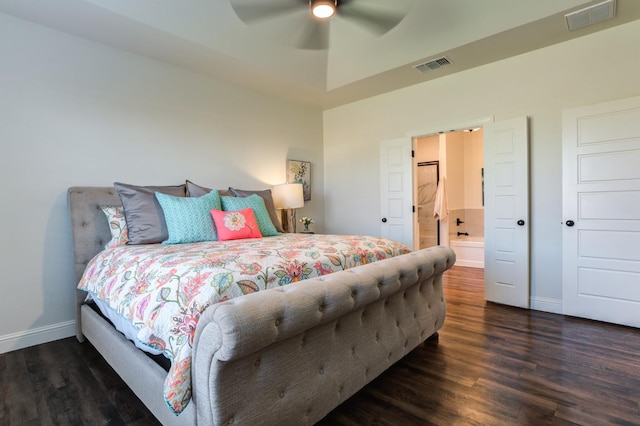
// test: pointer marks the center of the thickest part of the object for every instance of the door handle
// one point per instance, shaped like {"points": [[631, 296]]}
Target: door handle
{"points": [[384, 220], [520, 222], [570, 223]]}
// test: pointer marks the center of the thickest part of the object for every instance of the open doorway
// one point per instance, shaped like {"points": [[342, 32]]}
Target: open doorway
{"points": [[459, 159]]}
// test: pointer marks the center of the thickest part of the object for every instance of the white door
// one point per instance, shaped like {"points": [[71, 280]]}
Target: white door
{"points": [[601, 210], [396, 190], [506, 235]]}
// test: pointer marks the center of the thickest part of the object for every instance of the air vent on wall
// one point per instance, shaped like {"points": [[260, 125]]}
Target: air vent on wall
{"points": [[591, 15], [433, 64]]}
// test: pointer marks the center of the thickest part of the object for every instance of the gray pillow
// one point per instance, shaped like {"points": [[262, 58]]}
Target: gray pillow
{"points": [[194, 190], [268, 202], [143, 213]]}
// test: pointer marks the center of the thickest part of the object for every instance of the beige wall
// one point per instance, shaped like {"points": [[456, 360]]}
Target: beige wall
{"points": [[455, 170], [473, 164], [595, 68], [74, 112], [427, 148]]}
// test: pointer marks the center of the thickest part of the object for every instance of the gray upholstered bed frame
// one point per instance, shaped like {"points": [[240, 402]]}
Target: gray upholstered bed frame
{"points": [[283, 356]]}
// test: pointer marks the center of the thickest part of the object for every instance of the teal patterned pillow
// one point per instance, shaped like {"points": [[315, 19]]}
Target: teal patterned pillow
{"points": [[188, 219], [256, 202]]}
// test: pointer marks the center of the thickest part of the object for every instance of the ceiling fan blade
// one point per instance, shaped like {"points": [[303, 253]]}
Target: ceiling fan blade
{"points": [[375, 20], [252, 12], [315, 36]]}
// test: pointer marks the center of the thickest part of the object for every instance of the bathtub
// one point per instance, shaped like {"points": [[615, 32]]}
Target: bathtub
{"points": [[469, 251]]}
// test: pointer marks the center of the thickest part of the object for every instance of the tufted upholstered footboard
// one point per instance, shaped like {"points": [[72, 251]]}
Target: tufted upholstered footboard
{"points": [[291, 355], [287, 355]]}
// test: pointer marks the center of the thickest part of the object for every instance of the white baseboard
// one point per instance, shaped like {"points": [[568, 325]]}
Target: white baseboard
{"points": [[470, 263], [546, 305], [37, 336]]}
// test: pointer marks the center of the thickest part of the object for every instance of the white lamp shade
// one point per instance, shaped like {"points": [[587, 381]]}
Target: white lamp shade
{"points": [[288, 196]]}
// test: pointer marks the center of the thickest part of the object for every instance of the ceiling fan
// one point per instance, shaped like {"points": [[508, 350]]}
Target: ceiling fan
{"points": [[374, 16]]}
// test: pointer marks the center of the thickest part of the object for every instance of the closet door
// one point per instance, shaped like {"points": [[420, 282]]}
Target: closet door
{"points": [[396, 191], [601, 209], [506, 179]]}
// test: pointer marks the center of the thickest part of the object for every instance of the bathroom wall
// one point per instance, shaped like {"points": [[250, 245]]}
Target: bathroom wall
{"points": [[464, 182], [427, 148], [455, 172], [473, 182]]}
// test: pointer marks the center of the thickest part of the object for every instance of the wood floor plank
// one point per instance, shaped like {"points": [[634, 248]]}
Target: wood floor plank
{"points": [[17, 405], [492, 365], [53, 384]]}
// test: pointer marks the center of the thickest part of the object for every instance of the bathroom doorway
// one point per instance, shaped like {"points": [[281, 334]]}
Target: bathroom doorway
{"points": [[459, 159]]}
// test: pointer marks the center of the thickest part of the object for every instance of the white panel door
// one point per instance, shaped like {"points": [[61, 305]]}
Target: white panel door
{"points": [[506, 183], [396, 190], [601, 210]]}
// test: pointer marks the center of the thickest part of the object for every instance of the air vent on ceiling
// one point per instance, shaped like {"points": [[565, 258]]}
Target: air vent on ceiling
{"points": [[591, 15], [433, 64]]}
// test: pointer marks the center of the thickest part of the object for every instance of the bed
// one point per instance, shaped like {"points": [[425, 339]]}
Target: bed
{"points": [[287, 354]]}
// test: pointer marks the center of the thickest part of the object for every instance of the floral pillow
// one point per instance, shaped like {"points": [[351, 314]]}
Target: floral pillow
{"points": [[117, 226], [235, 225]]}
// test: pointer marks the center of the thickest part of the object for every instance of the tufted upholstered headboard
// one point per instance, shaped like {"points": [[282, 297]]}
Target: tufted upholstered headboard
{"points": [[89, 231]]}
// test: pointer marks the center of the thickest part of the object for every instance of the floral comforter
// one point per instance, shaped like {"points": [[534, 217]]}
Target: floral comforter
{"points": [[163, 289]]}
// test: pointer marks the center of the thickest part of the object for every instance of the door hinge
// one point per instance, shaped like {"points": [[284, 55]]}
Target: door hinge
{"points": [[413, 154], [413, 209]]}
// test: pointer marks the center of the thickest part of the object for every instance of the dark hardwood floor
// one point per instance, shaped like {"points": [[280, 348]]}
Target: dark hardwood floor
{"points": [[497, 365], [492, 365]]}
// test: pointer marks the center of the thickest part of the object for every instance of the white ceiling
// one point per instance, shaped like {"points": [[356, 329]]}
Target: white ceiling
{"points": [[208, 37]]}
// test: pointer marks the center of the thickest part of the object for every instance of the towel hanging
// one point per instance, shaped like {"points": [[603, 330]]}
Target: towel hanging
{"points": [[441, 208]]}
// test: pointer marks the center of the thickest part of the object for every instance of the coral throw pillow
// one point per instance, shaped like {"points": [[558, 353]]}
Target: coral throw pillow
{"points": [[235, 225], [255, 202]]}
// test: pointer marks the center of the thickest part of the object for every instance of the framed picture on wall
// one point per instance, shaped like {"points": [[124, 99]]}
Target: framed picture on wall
{"points": [[300, 172]]}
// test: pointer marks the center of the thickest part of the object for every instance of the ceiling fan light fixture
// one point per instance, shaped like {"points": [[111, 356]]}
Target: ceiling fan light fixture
{"points": [[323, 9]]}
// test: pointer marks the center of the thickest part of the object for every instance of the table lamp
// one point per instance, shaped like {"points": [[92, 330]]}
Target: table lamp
{"points": [[288, 197]]}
